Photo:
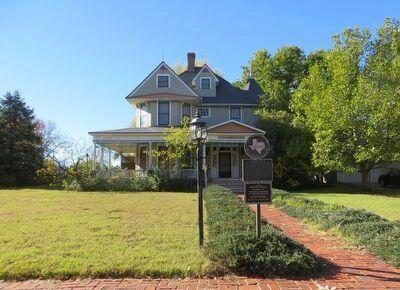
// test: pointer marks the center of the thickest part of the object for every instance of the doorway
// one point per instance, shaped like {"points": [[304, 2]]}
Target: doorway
{"points": [[224, 165], [143, 158]]}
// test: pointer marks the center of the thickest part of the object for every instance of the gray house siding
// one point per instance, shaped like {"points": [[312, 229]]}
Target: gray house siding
{"points": [[248, 116], [153, 113], [176, 113], [218, 114], [149, 86], [205, 93]]}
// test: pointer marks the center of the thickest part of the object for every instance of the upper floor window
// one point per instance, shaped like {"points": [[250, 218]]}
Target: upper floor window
{"points": [[235, 113], [163, 81], [186, 110], [163, 113], [203, 112], [143, 115], [205, 83]]}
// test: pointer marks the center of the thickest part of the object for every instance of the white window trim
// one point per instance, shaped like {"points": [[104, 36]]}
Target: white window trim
{"points": [[169, 112], [190, 110], [163, 75], [241, 113], [201, 85], [209, 112], [147, 115]]}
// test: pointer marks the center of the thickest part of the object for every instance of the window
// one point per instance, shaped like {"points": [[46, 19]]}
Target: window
{"points": [[205, 83], [236, 113], [163, 113], [163, 81], [203, 112], [143, 115], [185, 110]]}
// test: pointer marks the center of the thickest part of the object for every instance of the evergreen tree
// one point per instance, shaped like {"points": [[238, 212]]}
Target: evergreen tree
{"points": [[21, 152]]}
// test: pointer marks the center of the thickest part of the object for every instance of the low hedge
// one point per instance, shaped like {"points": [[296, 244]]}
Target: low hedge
{"points": [[233, 245], [380, 236]]}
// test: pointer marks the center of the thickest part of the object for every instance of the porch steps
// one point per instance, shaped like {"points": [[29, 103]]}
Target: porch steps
{"points": [[235, 185]]}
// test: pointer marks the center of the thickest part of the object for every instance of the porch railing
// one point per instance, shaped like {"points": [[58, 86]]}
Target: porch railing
{"points": [[177, 173]]}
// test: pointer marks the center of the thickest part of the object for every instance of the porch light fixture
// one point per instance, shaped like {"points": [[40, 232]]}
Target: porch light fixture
{"points": [[198, 134], [198, 129]]}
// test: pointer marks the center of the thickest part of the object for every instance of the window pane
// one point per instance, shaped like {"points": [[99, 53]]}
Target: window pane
{"points": [[235, 113], [203, 112], [163, 113], [163, 119], [163, 107], [186, 110], [205, 84], [163, 81]]}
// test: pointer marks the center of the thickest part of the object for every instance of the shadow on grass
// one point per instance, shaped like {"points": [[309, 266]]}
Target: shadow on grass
{"points": [[353, 189]]}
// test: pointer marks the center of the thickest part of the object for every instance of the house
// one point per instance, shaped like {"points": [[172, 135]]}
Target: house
{"points": [[163, 98]]}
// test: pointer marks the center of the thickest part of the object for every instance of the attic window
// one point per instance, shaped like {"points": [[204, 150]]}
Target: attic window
{"points": [[163, 81], [205, 83]]}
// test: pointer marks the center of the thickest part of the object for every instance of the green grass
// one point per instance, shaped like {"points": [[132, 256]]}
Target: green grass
{"points": [[384, 202], [62, 234], [359, 226]]}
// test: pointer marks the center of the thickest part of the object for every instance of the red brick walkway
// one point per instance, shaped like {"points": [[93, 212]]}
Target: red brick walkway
{"points": [[350, 269]]}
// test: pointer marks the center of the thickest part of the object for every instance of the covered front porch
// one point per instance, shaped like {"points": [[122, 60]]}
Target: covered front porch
{"points": [[222, 152]]}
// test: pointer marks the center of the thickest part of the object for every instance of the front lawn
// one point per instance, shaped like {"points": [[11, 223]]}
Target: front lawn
{"points": [[387, 206], [62, 234]]}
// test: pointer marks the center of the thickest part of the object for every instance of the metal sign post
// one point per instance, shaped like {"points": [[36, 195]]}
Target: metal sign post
{"points": [[257, 174]]}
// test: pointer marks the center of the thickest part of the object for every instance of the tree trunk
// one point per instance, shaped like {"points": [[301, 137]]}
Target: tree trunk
{"points": [[365, 177]]}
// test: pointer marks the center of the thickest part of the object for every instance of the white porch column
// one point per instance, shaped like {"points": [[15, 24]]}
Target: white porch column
{"points": [[150, 165], [102, 155], [204, 164], [94, 153], [109, 158]]}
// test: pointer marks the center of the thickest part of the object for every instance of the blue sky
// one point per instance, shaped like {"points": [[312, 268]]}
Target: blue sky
{"points": [[75, 61]]}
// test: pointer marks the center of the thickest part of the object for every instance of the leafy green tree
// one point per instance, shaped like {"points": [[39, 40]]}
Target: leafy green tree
{"points": [[350, 101], [21, 151], [279, 75], [178, 146]]}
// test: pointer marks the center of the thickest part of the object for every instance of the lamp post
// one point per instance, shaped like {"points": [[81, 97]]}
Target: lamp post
{"points": [[198, 134]]}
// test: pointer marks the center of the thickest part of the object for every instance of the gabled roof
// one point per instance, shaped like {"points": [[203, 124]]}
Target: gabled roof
{"points": [[226, 93], [204, 68], [131, 94], [233, 126]]}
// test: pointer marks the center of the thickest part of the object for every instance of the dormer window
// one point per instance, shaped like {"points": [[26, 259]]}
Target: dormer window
{"points": [[162, 81], [205, 83]]}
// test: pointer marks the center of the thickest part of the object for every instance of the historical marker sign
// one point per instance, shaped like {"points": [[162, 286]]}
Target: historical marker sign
{"points": [[257, 170], [257, 146], [258, 192], [257, 174]]}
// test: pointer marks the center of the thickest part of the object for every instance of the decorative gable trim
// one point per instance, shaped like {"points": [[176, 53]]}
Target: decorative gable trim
{"points": [[162, 66], [205, 68], [227, 124]]}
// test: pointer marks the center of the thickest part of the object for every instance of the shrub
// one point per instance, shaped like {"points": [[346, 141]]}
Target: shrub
{"points": [[50, 174], [380, 236], [87, 178], [233, 244]]}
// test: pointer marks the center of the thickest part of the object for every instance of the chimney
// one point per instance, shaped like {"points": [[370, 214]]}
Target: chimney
{"points": [[191, 60]]}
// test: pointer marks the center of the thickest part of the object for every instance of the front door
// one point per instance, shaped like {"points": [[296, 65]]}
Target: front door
{"points": [[224, 164]]}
